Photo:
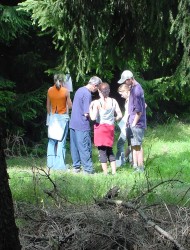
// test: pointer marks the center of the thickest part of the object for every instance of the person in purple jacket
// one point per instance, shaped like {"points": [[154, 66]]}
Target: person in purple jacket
{"points": [[137, 118], [80, 137]]}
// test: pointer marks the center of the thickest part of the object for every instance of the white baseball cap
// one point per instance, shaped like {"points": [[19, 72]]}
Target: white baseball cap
{"points": [[127, 74]]}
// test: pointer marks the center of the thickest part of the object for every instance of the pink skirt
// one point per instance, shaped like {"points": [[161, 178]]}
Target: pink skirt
{"points": [[103, 135]]}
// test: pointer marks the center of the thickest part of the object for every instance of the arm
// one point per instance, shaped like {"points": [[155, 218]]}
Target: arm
{"points": [[136, 119], [118, 111], [69, 102], [138, 106], [93, 110], [48, 105]]}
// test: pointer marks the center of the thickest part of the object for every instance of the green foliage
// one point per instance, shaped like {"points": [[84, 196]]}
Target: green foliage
{"points": [[159, 93], [181, 29], [22, 114], [7, 97], [23, 60], [28, 105], [12, 23], [101, 36], [94, 37]]}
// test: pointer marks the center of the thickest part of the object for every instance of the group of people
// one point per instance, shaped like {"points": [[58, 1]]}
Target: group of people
{"points": [[104, 111]]}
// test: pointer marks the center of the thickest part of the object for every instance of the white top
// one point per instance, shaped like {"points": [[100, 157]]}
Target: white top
{"points": [[123, 122], [106, 115], [104, 111]]}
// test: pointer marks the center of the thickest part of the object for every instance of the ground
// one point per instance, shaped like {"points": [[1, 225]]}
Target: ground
{"points": [[102, 226]]}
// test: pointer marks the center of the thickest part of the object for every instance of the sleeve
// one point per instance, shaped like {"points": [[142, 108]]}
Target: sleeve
{"points": [[138, 105], [86, 103]]}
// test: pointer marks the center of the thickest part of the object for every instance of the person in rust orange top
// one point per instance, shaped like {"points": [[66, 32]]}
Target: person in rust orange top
{"points": [[58, 101]]}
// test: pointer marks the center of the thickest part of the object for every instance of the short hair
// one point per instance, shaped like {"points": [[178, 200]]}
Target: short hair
{"points": [[95, 80]]}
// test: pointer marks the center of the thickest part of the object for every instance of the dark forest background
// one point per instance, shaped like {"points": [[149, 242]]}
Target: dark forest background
{"points": [[85, 38]]}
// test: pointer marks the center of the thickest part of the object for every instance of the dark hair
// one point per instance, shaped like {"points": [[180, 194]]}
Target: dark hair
{"points": [[104, 88]]}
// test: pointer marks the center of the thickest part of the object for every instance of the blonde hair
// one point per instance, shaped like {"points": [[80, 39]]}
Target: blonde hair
{"points": [[123, 88]]}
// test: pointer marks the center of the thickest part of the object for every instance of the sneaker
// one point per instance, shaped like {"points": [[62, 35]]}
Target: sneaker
{"points": [[126, 159], [76, 170], [142, 169], [139, 170], [121, 161], [118, 162]]}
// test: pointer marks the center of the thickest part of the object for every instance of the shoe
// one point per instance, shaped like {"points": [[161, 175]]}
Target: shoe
{"points": [[142, 169], [126, 159], [139, 170], [76, 170], [118, 162]]}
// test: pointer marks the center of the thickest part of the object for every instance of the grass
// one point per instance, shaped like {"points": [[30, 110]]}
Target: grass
{"points": [[167, 157]]}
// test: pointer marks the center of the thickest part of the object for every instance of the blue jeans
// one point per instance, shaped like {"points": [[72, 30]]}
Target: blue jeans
{"points": [[120, 145], [56, 151], [81, 149], [121, 148]]}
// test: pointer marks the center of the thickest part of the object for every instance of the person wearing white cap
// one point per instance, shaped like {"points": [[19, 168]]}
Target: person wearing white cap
{"points": [[80, 138], [136, 124]]}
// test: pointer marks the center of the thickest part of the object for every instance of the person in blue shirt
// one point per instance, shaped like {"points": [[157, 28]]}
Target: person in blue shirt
{"points": [[80, 131]]}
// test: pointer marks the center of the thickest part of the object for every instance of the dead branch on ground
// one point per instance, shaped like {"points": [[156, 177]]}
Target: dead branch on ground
{"points": [[146, 219]]}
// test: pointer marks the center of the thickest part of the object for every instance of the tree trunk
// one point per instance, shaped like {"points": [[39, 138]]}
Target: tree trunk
{"points": [[9, 237]]}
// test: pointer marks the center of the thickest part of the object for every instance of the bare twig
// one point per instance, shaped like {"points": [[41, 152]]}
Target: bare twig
{"points": [[154, 187], [147, 220]]}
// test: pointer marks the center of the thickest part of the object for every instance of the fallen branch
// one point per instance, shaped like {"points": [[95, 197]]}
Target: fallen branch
{"points": [[145, 218]]}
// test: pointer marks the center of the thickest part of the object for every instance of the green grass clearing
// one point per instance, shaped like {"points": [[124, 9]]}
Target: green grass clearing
{"points": [[167, 157]]}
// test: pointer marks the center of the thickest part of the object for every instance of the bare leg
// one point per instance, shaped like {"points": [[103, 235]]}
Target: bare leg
{"points": [[134, 152], [137, 155], [105, 168], [138, 160], [113, 167]]}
